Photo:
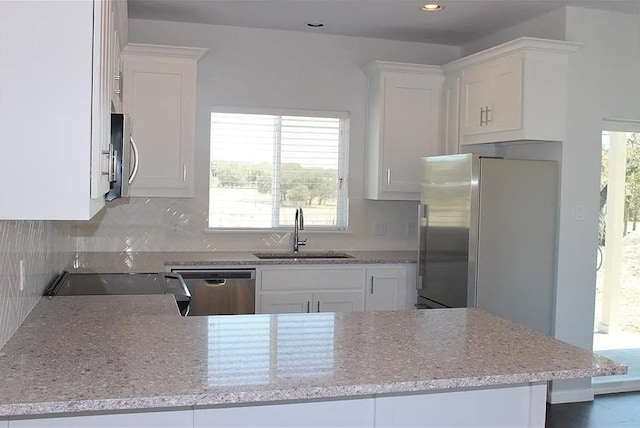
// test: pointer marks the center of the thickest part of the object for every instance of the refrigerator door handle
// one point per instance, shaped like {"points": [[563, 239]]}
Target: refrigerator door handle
{"points": [[423, 220]]}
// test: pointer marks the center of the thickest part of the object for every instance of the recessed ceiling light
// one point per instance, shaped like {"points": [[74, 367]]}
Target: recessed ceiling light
{"points": [[432, 7], [315, 24]]}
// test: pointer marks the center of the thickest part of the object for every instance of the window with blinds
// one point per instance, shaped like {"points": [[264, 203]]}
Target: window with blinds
{"points": [[263, 166]]}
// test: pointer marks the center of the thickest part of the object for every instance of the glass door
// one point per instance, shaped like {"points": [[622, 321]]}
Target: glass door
{"points": [[617, 309]]}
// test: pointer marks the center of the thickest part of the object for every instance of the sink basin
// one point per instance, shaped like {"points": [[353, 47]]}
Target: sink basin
{"points": [[305, 255]]}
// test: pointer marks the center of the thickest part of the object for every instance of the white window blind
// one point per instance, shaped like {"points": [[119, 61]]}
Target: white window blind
{"points": [[263, 166]]}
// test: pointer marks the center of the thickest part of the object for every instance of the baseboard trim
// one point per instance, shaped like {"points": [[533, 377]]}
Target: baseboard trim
{"points": [[570, 395], [600, 388]]}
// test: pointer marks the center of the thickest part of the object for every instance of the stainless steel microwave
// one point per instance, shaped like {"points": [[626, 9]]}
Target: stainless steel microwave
{"points": [[125, 159]]}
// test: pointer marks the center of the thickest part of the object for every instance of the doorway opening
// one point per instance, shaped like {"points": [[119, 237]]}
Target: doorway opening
{"points": [[617, 308]]}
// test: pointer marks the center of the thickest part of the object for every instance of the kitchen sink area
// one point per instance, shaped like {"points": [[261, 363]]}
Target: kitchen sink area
{"points": [[303, 255]]}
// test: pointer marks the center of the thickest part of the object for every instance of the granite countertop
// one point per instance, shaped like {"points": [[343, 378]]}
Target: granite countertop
{"points": [[106, 353], [150, 262]]}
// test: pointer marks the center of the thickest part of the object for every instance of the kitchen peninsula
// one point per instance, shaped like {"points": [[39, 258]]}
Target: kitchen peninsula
{"points": [[132, 360]]}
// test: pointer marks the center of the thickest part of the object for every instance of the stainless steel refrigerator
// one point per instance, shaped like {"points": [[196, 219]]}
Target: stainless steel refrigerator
{"points": [[488, 236]]}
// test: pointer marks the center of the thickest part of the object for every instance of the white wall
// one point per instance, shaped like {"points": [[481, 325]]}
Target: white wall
{"points": [[264, 68], [603, 83], [44, 247], [548, 26]]}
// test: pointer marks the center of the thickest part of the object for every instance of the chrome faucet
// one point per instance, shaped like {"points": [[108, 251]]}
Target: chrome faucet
{"points": [[298, 225]]}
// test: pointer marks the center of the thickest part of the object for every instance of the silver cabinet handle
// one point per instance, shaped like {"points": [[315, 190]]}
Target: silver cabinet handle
{"points": [[308, 306], [481, 113], [486, 119], [388, 177], [371, 284], [111, 169], [423, 223], [136, 162], [113, 165], [117, 78], [184, 173], [318, 305]]}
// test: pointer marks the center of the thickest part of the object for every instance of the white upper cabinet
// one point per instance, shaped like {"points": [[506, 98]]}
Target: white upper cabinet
{"points": [[159, 92], [402, 127], [56, 74], [119, 36], [515, 91]]}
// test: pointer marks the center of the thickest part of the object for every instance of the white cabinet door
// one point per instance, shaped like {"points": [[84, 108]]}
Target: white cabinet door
{"points": [[159, 92], [476, 96], [338, 301], [407, 130], [505, 111], [312, 277], [386, 289], [54, 108], [344, 413], [119, 40], [284, 303], [176, 419], [515, 91], [513, 406], [493, 96], [404, 109]]}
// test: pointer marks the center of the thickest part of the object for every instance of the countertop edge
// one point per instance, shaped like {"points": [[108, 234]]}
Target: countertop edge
{"points": [[153, 262], [212, 399]]}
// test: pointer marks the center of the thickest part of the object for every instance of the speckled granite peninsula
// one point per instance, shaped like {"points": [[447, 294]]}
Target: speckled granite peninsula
{"points": [[106, 353]]}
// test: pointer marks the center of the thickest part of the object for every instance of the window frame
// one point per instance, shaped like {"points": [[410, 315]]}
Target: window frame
{"points": [[342, 210]]}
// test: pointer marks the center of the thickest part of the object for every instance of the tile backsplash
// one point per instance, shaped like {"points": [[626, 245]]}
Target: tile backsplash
{"points": [[178, 224], [44, 247]]}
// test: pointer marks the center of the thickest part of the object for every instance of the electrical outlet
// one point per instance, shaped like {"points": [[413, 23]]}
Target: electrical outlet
{"points": [[381, 228], [22, 274]]}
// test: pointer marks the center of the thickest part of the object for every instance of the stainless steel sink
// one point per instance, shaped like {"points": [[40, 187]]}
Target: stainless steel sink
{"points": [[303, 255]]}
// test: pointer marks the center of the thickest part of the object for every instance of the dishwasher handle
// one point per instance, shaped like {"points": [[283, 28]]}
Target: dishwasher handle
{"points": [[216, 275]]}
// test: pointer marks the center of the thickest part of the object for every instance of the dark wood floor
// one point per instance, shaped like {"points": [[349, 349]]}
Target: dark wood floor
{"points": [[610, 410]]}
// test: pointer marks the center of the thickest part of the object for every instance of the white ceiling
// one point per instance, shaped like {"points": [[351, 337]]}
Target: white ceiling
{"points": [[460, 22]]}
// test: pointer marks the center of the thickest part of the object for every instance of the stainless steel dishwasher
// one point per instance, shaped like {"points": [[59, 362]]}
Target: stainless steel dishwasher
{"points": [[220, 292]]}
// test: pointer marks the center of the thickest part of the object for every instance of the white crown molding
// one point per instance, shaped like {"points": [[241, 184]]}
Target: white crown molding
{"points": [[401, 67], [177, 52], [522, 44]]}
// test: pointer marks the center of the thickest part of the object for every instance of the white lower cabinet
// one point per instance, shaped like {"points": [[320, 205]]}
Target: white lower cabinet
{"points": [[285, 303], [505, 406], [386, 289], [327, 288], [343, 413], [515, 406], [330, 301], [338, 301], [176, 419]]}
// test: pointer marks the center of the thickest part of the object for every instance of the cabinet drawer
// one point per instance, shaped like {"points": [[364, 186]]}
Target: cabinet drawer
{"points": [[312, 278]]}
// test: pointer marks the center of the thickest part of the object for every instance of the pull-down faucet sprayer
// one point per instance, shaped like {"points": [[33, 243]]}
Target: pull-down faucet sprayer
{"points": [[298, 225]]}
